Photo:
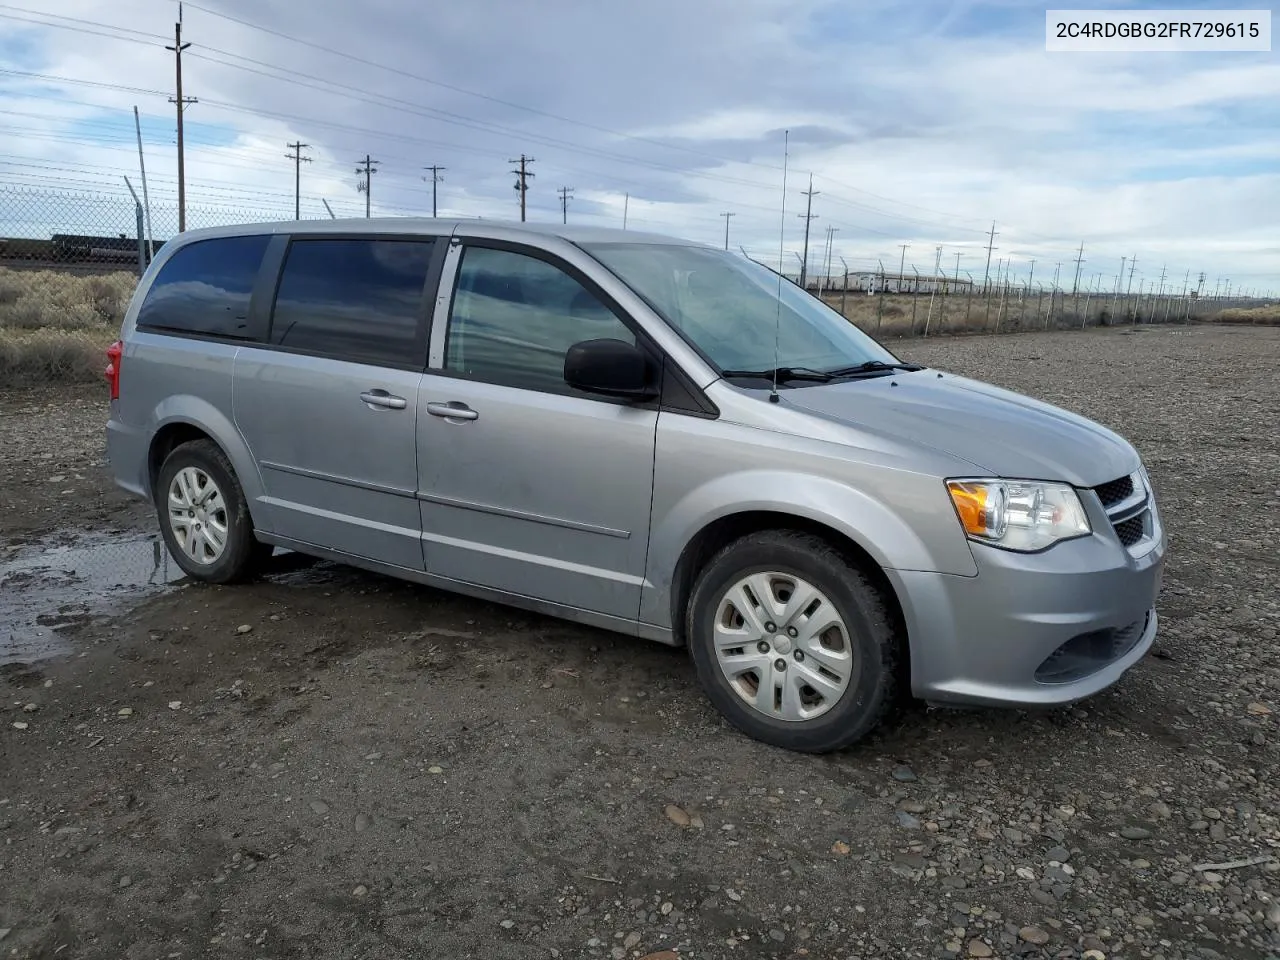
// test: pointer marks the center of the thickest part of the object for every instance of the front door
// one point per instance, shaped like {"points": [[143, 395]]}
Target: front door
{"points": [[527, 485], [329, 409]]}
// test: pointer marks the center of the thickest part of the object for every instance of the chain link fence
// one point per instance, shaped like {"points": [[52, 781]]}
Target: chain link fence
{"points": [[69, 261]]}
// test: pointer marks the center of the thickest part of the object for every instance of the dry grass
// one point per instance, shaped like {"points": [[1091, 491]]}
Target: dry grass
{"points": [[53, 356], [55, 327], [902, 315], [1268, 315], [51, 299]]}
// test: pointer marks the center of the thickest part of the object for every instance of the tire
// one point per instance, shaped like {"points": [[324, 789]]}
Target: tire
{"points": [[826, 716], [217, 507]]}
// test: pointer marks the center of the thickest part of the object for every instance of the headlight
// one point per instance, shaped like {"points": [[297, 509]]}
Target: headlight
{"points": [[1018, 514]]}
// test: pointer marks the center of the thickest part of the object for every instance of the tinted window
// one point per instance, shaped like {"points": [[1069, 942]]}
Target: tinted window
{"points": [[353, 299], [514, 318], [204, 287]]}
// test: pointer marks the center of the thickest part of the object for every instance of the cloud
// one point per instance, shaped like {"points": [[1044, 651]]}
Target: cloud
{"points": [[921, 123]]}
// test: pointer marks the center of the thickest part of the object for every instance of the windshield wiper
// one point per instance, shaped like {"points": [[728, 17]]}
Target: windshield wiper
{"points": [[872, 366], [782, 374]]}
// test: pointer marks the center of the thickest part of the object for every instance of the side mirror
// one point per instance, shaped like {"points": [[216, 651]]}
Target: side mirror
{"points": [[611, 368]]}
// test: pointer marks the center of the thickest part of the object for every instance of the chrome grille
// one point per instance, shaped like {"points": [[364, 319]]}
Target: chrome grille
{"points": [[1127, 502], [1115, 492], [1130, 531]]}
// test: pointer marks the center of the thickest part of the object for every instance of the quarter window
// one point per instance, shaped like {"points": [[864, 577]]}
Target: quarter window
{"points": [[204, 288], [353, 299], [515, 317]]}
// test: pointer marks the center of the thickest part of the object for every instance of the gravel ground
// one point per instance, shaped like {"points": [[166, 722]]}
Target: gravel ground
{"points": [[329, 763]]}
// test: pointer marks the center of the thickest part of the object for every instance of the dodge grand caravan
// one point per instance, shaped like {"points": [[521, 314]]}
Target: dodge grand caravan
{"points": [[641, 434]]}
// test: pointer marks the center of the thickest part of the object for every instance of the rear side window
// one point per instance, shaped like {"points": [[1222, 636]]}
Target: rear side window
{"points": [[354, 299], [204, 288]]}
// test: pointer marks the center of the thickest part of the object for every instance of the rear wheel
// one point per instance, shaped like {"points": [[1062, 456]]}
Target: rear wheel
{"points": [[204, 517], [793, 644]]}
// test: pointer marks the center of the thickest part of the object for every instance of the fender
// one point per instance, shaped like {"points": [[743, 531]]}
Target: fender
{"points": [[204, 416], [884, 535]]}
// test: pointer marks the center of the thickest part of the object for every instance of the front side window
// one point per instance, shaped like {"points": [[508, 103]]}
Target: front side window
{"points": [[204, 288], [515, 317], [353, 299], [735, 311]]}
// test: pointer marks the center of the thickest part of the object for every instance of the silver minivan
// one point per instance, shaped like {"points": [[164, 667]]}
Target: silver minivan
{"points": [[642, 434]]}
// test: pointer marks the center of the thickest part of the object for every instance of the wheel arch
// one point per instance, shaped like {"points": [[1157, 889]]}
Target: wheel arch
{"points": [[722, 531], [182, 419]]}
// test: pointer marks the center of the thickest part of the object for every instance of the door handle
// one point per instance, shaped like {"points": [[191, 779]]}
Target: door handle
{"points": [[453, 410], [380, 398]]}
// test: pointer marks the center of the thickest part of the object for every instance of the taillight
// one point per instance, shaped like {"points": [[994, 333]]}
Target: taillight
{"points": [[114, 353]]}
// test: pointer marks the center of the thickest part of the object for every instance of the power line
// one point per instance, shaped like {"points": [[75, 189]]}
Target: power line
{"points": [[81, 25], [471, 93], [490, 127], [411, 108], [298, 160]]}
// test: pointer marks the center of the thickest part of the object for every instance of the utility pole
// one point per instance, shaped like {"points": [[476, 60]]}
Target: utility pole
{"points": [[368, 166], [1056, 271], [1031, 274], [626, 202], [826, 260], [435, 178], [934, 283], [808, 217], [566, 194], [298, 160], [958, 256], [844, 290], [181, 101], [991, 245], [1075, 287], [522, 180], [726, 216], [902, 264], [1133, 262]]}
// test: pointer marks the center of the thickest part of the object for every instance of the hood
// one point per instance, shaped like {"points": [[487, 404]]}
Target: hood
{"points": [[1005, 434]]}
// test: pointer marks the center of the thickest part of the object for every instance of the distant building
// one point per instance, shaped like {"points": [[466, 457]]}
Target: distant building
{"points": [[872, 281]]}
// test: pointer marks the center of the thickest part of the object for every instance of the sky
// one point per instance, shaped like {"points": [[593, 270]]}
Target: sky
{"points": [[920, 124]]}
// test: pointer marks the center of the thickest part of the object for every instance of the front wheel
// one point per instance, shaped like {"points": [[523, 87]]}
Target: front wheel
{"points": [[793, 644], [204, 517]]}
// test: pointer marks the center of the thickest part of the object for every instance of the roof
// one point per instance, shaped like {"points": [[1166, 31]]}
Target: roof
{"points": [[433, 226]]}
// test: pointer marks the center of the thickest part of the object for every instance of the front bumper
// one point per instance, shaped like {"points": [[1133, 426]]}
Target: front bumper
{"points": [[1031, 629]]}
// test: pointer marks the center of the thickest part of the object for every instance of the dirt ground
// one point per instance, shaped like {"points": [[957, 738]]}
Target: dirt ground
{"points": [[328, 763]]}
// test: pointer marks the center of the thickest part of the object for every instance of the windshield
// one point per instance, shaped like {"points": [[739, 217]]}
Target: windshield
{"points": [[728, 307]]}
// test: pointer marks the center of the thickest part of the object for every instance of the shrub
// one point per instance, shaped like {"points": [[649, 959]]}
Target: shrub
{"points": [[34, 299], [52, 356], [1268, 315]]}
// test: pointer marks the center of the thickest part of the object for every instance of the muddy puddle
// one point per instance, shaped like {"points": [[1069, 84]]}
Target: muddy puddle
{"points": [[50, 586]]}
